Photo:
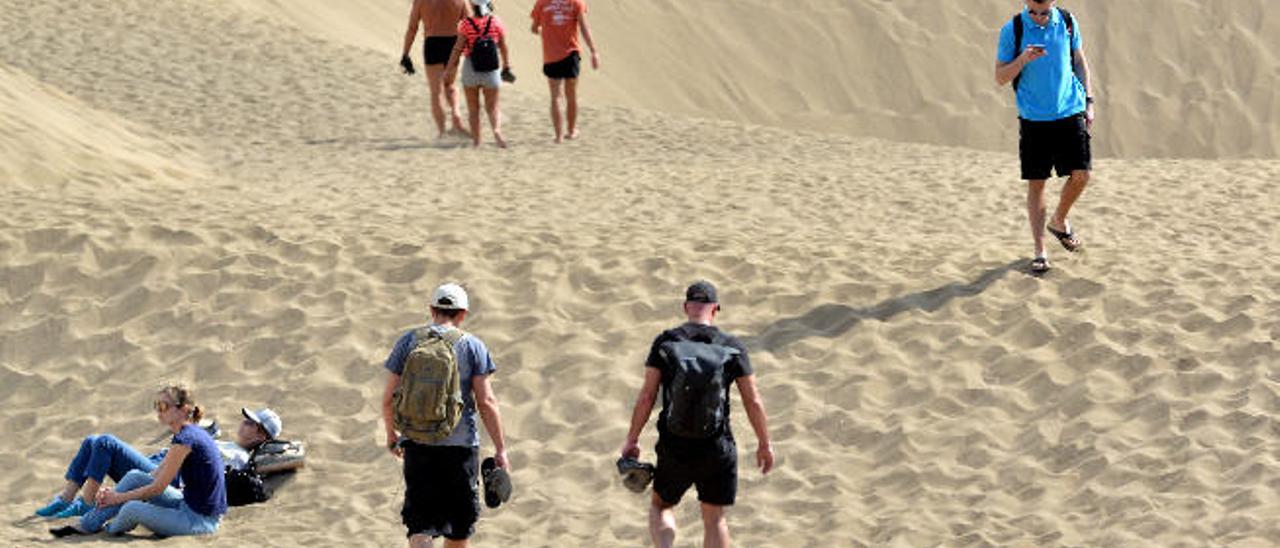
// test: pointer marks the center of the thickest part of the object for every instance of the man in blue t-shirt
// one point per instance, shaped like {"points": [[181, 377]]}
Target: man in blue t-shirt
{"points": [[1050, 75], [441, 494]]}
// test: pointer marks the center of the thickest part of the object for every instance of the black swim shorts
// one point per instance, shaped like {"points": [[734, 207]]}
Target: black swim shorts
{"points": [[436, 50], [1061, 145], [441, 496], [569, 67], [712, 469]]}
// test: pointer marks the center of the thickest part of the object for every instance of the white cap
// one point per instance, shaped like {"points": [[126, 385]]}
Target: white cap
{"points": [[450, 296], [265, 418], [485, 6]]}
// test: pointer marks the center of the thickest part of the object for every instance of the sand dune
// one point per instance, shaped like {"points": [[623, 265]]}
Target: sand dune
{"points": [[259, 213], [1176, 79]]}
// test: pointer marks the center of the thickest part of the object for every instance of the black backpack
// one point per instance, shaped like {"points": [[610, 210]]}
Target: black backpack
{"points": [[484, 53], [696, 396], [245, 487], [1017, 40]]}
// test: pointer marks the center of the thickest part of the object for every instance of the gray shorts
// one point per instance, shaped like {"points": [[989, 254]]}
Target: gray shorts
{"points": [[470, 78]]}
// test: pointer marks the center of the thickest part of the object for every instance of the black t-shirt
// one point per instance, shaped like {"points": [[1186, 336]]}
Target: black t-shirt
{"points": [[739, 366]]}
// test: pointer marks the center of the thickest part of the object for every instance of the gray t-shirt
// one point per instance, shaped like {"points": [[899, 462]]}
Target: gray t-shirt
{"points": [[473, 359]]}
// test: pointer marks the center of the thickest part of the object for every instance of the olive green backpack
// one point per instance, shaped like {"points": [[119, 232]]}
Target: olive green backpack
{"points": [[428, 401]]}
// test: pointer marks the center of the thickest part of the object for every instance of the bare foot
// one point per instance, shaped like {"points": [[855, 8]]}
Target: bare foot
{"points": [[559, 139], [497, 138], [573, 134]]}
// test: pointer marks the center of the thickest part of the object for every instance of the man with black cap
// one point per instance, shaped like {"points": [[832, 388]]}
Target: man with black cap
{"points": [[694, 364]]}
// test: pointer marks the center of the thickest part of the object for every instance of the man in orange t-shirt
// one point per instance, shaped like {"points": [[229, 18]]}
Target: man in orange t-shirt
{"points": [[558, 21]]}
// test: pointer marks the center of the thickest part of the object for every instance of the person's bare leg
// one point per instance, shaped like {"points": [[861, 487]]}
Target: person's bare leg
{"points": [[69, 490], [1036, 214], [495, 117], [420, 541], [715, 527], [451, 99], [90, 490], [448, 543], [473, 112], [1070, 193], [435, 83], [662, 523], [571, 106], [557, 93]]}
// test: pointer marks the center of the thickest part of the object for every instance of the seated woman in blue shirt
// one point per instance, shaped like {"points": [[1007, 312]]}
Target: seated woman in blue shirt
{"points": [[104, 456], [149, 499]]}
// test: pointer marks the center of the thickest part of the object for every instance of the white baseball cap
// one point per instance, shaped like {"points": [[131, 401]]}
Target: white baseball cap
{"points": [[265, 418], [450, 296], [485, 6]]}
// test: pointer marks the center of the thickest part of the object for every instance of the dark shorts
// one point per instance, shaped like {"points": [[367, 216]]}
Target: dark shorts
{"points": [[1061, 145], [713, 470], [436, 50], [569, 67], [441, 495]]}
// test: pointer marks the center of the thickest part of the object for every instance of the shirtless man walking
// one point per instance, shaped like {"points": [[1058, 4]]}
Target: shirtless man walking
{"points": [[439, 20]]}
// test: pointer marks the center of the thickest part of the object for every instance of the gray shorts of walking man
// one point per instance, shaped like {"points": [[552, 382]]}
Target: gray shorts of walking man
{"points": [[441, 474], [1041, 53], [695, 445]]}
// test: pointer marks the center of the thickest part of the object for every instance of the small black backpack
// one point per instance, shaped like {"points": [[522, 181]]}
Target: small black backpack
{"points": [[245, 487], [484, 53], [698, 389]]}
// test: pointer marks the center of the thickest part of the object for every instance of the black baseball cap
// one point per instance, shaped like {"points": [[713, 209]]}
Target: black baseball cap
{"points": [[701, 292]]}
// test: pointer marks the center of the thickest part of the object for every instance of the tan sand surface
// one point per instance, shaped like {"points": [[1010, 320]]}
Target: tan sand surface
{"points": [[208, 193]]}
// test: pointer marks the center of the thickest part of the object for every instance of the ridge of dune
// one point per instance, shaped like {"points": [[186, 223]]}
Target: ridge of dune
{"points": [[47, 136], [1177, 79], [922, 388]]}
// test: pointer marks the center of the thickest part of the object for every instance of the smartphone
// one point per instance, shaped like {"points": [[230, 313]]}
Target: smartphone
{"points": [[1036, 46]]}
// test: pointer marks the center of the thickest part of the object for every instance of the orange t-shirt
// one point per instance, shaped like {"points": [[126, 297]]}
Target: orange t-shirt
{"points": [[559, 22]]}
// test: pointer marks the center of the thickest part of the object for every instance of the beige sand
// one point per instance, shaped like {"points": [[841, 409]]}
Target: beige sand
{"points": [[205, 193]]}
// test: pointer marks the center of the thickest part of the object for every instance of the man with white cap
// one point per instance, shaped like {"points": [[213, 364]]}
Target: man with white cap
{"points": [[257, 427], [441, 466]]}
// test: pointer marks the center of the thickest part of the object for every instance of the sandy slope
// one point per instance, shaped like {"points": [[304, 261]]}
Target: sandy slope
{"points": [[258, 213], [1176, 79]]}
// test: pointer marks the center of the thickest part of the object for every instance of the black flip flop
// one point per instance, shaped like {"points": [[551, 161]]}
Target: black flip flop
{"points": [[636, 475], [1067, 239], [497, 483], [1039, 265], [66, 531]]}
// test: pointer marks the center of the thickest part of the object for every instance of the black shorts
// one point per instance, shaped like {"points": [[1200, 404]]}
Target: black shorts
{"points": [[569, 67], [712, 469], [441, 495], [1061, 145], [436, 50]]}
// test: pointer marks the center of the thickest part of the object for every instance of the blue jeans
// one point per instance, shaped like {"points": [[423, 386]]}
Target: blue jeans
{"points": [[165, 514], [105, 455]]}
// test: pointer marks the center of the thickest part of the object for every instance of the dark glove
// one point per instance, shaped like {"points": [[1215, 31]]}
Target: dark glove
{"points": [[406, 64], [508, 76]]}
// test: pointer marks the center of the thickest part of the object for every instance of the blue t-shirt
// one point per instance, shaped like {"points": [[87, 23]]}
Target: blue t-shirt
{"points": [[1048, 89], [473, 359], [204, 488]]}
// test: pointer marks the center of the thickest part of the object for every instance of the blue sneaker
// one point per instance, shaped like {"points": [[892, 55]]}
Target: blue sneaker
{"points": [[56, 505], [76, 509]]}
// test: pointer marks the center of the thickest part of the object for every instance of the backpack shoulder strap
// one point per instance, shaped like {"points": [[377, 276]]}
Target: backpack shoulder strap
{"points": [[473, 24], [453, 336], [1017, 46], [488, 22], [1070, 21], [1017, 34]]}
